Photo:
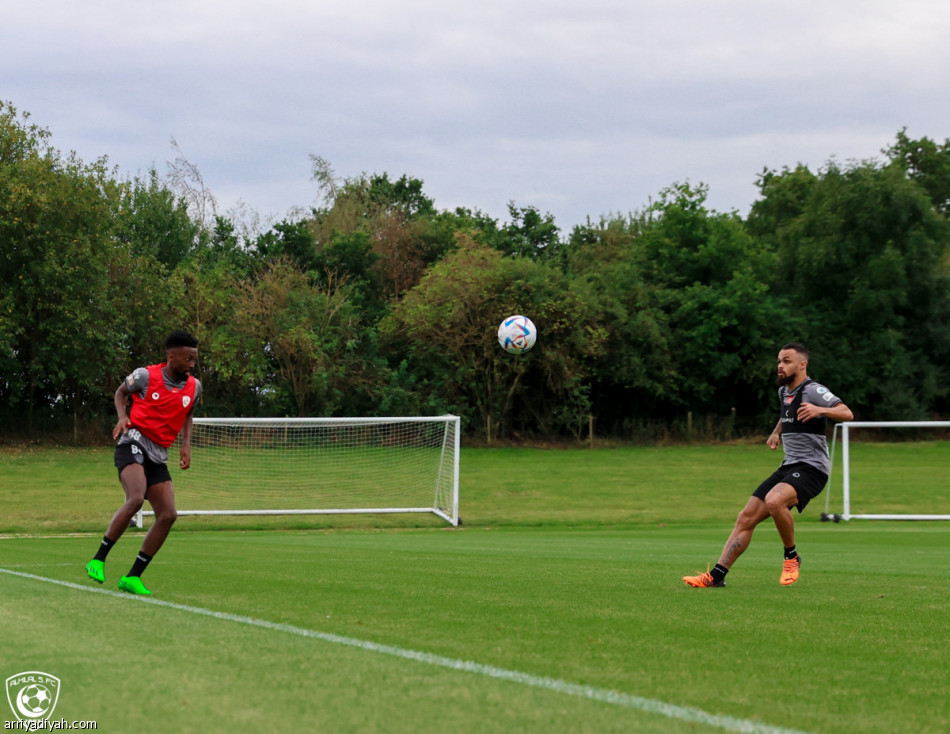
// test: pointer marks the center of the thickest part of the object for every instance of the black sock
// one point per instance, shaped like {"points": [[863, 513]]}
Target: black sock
{"points": [[141, 562], [104, 549], [719, 572], [790, 553]]}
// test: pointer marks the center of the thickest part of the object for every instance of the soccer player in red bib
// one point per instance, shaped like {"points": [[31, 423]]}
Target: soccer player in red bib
{"points": [[806, 406], [163, 402]]}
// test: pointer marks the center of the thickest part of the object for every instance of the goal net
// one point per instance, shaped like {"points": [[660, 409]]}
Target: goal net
{"points": [[902, 480], [321, 466]]}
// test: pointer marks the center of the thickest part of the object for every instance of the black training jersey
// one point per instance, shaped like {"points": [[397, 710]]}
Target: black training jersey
{"points": [[805, 441]]}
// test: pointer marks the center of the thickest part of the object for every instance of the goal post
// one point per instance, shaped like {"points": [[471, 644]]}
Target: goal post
{"points": [[321, 466], [846, 475]]}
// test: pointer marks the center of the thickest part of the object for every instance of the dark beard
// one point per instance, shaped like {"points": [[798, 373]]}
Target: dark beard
{"points": [[176, 376], [780, 380]]}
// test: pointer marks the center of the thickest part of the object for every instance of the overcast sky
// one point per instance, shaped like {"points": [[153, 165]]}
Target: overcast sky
{"points": [[579, 108]]}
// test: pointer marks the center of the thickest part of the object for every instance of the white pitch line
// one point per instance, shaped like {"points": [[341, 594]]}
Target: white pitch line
{"points": [[626, 700]]}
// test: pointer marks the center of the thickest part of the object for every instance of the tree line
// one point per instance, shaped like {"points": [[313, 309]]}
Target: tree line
{"points": [[660, 322]]}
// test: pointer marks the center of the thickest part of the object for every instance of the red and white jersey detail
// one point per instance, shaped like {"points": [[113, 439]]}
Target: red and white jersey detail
{"points": [[161, 412]]}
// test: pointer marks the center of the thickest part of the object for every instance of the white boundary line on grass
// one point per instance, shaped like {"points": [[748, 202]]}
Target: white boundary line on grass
{"points": [[626, 700]]}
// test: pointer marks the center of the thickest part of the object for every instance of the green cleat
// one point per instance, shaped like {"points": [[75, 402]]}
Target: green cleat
{"points": [[96, 570], [133, 585]]}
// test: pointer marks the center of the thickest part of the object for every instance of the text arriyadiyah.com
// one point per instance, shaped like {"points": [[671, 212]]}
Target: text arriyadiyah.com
{"points": [[49, 725]]}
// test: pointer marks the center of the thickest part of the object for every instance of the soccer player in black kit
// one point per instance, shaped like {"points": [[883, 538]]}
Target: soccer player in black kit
{"points": [[805, 408]]}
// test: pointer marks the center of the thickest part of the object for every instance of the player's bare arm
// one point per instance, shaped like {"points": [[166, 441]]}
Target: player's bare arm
{"points": [[184, 457], [775, 437], [839, 412], [121, 405]]}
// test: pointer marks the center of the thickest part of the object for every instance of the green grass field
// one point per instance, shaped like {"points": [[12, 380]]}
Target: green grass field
{"points": [[558, 605]]}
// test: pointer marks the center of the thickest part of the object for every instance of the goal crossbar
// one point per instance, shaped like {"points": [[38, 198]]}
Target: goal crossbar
{"points": [[845, 430], [322, 466]]}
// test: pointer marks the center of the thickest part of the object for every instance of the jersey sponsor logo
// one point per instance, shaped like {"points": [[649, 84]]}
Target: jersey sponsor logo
{"points": [[822, 390], [829, 397]]}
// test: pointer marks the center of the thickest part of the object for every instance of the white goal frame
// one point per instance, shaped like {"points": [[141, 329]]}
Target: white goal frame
{"points": [[845, 429], [443, 468]]}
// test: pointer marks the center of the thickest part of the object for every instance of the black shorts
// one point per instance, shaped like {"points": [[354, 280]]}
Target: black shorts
{"points": [[132, 453], [806, 479]]}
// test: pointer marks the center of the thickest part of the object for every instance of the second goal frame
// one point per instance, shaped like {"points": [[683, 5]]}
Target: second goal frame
{"points": [[845, 430]]}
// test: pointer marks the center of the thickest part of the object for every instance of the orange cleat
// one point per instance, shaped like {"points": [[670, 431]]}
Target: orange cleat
{"points": [[703, 581], [790, 570]]}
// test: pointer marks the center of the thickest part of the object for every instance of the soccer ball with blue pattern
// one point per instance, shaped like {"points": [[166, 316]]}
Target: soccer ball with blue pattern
{"points": [[517, 334]]}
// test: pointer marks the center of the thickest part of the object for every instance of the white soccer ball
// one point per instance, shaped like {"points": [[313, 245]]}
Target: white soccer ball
{"points": [[517, 334]]}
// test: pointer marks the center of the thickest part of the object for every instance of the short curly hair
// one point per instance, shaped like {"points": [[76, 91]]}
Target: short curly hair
{"points": [[180, 338], [800, 348]]}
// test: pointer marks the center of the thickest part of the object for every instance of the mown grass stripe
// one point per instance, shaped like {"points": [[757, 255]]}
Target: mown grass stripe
{"points": [[626, 700]]}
